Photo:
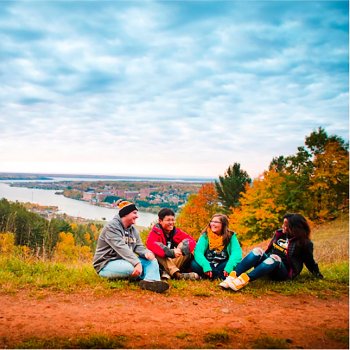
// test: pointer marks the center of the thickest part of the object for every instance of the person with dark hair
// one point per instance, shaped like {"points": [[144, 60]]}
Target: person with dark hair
{"points": [[289, 249], [120, 252], [172, 247], [217, 251]]}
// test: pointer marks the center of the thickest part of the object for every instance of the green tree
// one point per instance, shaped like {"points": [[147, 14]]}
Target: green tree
{"points": [[230, 186], [316, 177]]}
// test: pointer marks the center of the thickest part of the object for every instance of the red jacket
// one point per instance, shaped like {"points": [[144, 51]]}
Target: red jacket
{"points": [[157, 242]]}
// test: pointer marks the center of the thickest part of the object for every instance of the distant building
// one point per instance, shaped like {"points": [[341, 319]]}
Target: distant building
{"points": [[119, 193], [131, 194], [88, 196], [145, 192]]}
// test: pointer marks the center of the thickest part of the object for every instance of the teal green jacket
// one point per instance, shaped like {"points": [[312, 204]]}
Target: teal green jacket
{"points": [[233, 249]]}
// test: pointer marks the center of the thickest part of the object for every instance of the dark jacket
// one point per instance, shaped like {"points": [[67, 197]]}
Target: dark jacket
{"points": [[297, 255]]}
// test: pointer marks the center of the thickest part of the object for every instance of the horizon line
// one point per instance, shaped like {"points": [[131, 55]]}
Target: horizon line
{"points": [[109, 176]]}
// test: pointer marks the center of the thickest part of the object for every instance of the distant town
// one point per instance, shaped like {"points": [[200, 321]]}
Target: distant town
{"points": [[149, 196]]}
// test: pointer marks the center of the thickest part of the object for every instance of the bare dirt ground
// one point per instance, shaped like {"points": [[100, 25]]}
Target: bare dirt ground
{"points": [[149, 320]]}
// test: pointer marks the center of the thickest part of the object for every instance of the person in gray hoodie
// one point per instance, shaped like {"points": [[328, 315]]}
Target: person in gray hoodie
{"points": [[120, 252]]}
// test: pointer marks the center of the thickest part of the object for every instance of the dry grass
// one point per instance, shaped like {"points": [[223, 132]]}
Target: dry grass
{"points": [[331, 240]]}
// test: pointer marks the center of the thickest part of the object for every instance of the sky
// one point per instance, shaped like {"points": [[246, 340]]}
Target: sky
{"points": [[168, 88]]}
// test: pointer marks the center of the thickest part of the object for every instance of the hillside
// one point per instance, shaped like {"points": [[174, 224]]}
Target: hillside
{"points": [[74, 308]]}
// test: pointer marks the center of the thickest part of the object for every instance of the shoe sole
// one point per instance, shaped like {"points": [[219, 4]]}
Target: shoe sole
{"points": [[154, 286]]}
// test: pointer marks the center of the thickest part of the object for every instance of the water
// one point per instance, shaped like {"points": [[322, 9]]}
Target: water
{"points": [[65, 205]]}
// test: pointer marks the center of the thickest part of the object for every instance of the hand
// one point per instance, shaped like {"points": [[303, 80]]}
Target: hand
{"points": [[318, 275], [177, 252], [209, 274], [137, 270], [149, 256], [226, 273]]}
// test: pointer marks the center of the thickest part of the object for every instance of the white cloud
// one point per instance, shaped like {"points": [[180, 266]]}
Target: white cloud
{"points": [[168, 88]]}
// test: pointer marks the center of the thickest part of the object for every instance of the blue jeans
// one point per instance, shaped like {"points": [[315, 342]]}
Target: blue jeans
{"points": [[123, 269], [263, 265], [217, 270]]}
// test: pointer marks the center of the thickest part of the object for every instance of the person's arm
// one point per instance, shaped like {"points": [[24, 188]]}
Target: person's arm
{"points": [[139, 247], [235, 254], [309, 260], [199, 253], [153, 243], [187, 242]]}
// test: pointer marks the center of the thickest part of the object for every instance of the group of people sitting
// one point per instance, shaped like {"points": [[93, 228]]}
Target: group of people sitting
{"points": [[171, 253]]}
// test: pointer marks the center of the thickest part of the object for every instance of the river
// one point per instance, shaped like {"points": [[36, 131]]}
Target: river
{"points": [[65, 205]]}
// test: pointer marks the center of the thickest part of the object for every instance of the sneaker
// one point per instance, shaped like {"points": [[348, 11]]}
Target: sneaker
{"points": [[192, 276], [239, 282], [154, 286], [229, 279], [165, 276]]}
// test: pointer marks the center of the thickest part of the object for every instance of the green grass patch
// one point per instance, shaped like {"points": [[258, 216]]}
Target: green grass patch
{"points": [[182, 335], [217, 338], [340, 335], [271, 343], [94, 341]]}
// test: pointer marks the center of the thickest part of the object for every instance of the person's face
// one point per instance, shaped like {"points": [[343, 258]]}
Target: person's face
{"points": [[216, 225], [130, 219], [285, 227], [167, 223]]}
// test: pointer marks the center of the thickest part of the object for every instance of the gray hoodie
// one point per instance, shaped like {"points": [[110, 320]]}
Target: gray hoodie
{"points": [[116, 242]]}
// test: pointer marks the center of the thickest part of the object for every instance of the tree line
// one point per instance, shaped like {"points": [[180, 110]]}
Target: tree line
{"points": [[313, 182], [45, 238]]}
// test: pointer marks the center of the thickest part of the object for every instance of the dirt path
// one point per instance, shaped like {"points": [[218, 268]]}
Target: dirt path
{"points": [[147, 320]]}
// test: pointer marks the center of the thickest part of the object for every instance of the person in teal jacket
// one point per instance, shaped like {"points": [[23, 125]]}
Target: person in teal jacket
{"points": [[217, 251]]}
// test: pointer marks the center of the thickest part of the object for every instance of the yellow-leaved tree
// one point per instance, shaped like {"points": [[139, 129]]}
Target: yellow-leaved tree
{"points": [[330, 181], [67, 251], [261, 208]]}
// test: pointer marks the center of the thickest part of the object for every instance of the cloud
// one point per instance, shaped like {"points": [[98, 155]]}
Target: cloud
{"points": [[168, 87]]}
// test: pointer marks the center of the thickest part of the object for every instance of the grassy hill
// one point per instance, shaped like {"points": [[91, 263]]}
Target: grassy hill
{"points": [[331, 252]]}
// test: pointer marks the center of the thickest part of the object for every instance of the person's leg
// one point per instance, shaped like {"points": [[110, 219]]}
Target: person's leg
{"points": [[195, 267], [252, 259], [150, 270], [173, 265], [150, 278], [218, 270], [266, 267], [280, 273], [269, 265], [117, 269]]}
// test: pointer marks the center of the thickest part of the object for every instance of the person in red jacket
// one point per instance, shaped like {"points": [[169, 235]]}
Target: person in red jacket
{"points": [[171, 246]]}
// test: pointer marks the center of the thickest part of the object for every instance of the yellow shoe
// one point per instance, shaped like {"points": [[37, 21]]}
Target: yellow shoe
{"points": [[239, 282], [229, 279]]}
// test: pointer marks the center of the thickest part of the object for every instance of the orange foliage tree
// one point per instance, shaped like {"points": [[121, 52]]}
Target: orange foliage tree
{"points": [[329, 183], [261, 208], [198, 210]]}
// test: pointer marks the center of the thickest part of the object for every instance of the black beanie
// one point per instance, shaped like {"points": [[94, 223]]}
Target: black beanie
{"points": [[125, 207]]}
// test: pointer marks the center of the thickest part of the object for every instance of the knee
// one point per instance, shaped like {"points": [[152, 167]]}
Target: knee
{"points": [[258, 251], [153, 263], [273, 258]]}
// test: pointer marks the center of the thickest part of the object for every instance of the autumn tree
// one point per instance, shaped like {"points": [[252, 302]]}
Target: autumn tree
{"points": [[198, 210], [316, 177], [261, 208], [231, 186], [329, 183]]}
